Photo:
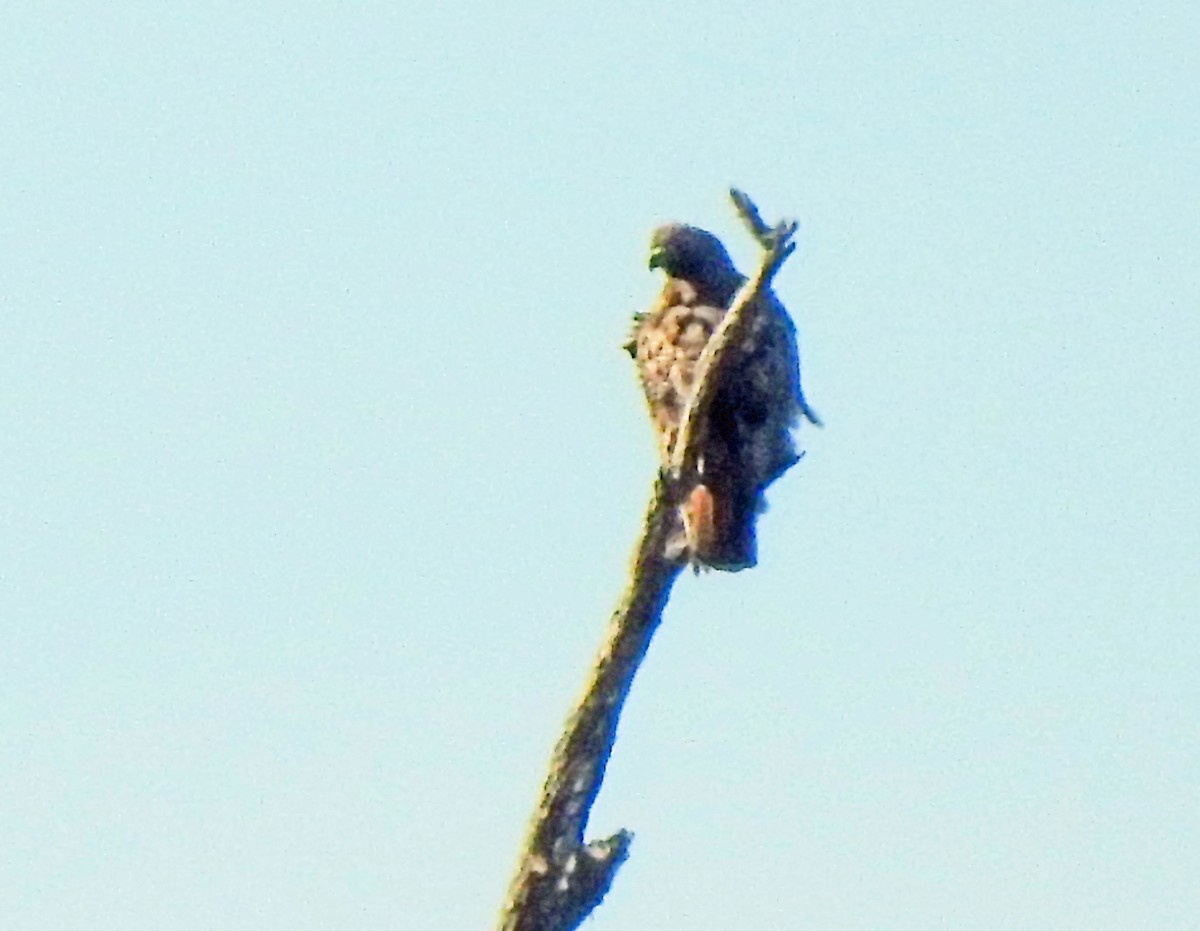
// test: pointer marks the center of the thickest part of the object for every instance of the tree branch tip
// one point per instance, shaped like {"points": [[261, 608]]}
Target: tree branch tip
{"points": [[766, 236], [748, 211]]}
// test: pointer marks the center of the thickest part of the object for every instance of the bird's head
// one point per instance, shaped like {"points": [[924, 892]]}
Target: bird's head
{"points": [[689, 252]]}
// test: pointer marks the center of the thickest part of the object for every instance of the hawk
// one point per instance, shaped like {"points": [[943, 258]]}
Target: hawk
{"points": [[746, 442]]}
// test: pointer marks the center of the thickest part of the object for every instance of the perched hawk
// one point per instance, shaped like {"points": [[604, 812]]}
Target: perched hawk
{"points": [[747, 441]]}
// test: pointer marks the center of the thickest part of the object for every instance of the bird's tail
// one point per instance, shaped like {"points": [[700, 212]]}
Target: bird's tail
{"points": [[718, 528]]}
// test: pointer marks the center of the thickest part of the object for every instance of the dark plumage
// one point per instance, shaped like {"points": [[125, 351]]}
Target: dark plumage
{"points": [[747, 440]]}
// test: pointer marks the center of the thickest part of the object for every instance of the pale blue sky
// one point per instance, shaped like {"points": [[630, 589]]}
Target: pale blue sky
{"points": [[321, 463]]}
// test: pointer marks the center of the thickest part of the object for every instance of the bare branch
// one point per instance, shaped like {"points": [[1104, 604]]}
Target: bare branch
{"points": [[559, 878]]}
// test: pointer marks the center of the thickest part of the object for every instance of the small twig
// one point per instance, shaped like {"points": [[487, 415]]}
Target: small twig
{"points": [[764, 235], [559, 878]]}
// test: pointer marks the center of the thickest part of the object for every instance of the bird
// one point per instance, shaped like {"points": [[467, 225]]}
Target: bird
{"points": [[746, 439]]}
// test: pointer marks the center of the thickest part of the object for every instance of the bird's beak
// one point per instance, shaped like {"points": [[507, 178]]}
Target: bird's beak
{"points": [[656, 258]]}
